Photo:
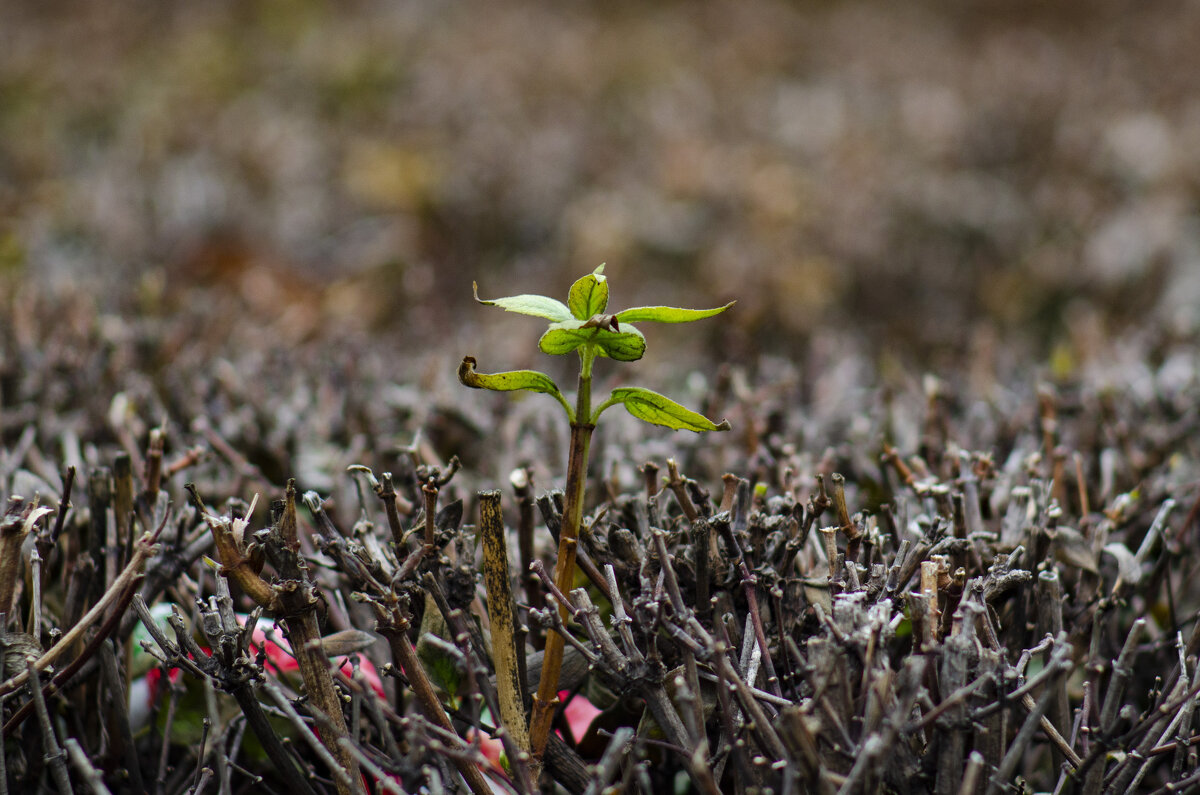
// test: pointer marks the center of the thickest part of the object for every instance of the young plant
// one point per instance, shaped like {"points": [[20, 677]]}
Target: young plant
{"points": [[581, 325]]}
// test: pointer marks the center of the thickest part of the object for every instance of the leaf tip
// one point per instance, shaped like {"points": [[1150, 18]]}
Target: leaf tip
{"points": [[466, 372], [475, 292], [723, 425]]}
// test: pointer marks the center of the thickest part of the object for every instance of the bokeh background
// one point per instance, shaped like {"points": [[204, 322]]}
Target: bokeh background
{"points": [[937, 183], [907, 167]]}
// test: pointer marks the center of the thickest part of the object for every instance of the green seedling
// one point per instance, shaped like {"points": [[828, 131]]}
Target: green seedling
{"points": [[581, 326]]}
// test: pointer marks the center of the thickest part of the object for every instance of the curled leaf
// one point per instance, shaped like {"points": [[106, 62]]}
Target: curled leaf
{"points": [[528, 380], [589, 295], [661, 410], [536, 305], [667, 314], [627, 345]]}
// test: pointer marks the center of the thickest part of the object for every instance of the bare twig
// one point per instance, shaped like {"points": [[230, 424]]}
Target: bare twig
{"points": [[501, 609], [142, 550], [53, 754], [84, 767]]}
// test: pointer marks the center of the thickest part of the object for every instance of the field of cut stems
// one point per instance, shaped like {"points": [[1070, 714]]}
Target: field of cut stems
{"points": [[258, 569], [926, 523]]}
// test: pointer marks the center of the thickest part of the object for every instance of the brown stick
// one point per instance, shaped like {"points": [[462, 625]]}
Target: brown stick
{"points": [[15, 527], [142, 550], [501, 609], [402, 650]]}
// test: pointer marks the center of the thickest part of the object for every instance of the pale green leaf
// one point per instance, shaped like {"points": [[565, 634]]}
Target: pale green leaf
{"points": [[626, 345], [528, 380], [565, 337], [589, 295], [667, 314], [536, 305], [661, 410]]}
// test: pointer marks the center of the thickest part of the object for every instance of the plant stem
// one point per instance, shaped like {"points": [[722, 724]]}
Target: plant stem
{"points": [[501, 610], [522, 481], [546, 698], [17, 523], [257, 719], [297, 600], [305, 638], [129, 576], [65, 674], [53, 754], [396, 632]]}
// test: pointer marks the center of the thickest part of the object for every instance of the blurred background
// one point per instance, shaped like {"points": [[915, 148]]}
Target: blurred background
{"points": [[255, 225], [928, 180]]}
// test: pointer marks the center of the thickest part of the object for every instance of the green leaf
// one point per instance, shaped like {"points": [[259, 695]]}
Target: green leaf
{"points": [[536, 305], [589, 295], [441, 668], [565, 337], [626, 345], [528, 380], [667, 314], [661, 410], [513, 380]]}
